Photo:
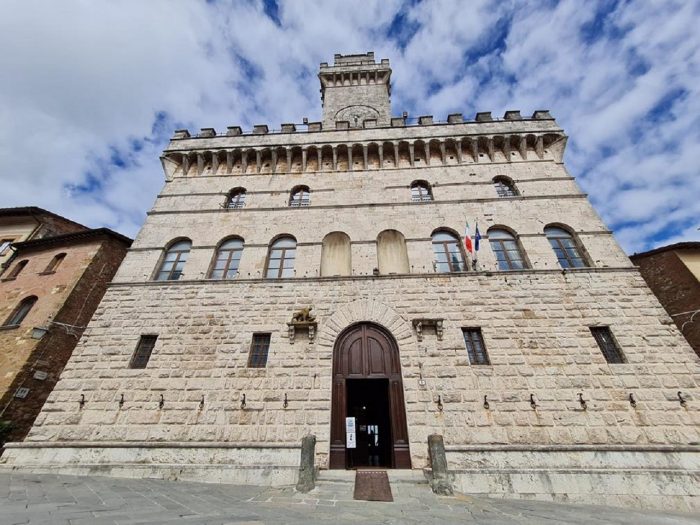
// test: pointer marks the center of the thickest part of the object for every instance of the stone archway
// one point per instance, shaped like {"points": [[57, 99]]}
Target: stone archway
{"points": [[366, 361]]}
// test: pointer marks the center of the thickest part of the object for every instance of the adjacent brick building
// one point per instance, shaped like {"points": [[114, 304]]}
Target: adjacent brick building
{"points": [[673, 274], [548, 366], [48, 292]]}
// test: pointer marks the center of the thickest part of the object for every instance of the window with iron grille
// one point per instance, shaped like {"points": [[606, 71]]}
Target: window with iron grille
{"points": [[476, 350], [236, 199], [505, 187], [143, 351], [603, 336], [301, 196], [565, 248], [420, 192], [17, 269], [258, 351]]}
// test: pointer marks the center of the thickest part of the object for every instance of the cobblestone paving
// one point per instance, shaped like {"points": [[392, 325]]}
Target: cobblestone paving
{"points": [[69, 500]]}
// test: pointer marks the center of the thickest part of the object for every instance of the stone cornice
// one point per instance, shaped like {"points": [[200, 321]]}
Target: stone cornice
{"points": [[409, 276]]}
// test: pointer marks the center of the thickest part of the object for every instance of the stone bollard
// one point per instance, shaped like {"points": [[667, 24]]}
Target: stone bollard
{"points": [[441, 482], [306, 468]]}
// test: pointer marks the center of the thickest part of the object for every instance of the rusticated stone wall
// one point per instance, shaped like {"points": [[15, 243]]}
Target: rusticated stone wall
{"points": [[535, 326]]}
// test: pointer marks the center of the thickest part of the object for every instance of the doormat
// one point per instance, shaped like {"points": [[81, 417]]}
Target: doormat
{"points": [[372, 485]]}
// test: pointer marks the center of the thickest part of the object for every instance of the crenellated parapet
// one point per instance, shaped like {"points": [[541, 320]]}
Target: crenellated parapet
{"points": [[402, 145]]}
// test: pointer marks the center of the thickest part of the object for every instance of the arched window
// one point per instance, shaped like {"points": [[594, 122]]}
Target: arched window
{"points": [[449, 256], [565, 247], [300, 196], [336, 256], [280, 260], [392, 256], [236, 198], [55, 262], [506, 249], [420, 191], [227, 259], [174, 261], [19, 313], [505, 187], [17, 269]]}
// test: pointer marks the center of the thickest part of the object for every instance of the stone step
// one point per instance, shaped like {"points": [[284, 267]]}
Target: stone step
{"points": [[413, 476]]}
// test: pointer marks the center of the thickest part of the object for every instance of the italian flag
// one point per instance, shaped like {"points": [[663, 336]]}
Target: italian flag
{"points": [[468, 240]]}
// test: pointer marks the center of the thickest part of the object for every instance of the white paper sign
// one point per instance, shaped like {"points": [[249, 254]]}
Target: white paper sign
{"points": [[350, 425], [351, 443]]}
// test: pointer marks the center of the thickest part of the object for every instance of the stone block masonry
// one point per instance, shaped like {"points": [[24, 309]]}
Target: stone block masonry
{"points": [[183, 415]]}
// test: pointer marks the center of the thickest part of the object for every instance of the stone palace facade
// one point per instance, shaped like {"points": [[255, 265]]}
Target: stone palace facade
{"points": [[547, 365]]}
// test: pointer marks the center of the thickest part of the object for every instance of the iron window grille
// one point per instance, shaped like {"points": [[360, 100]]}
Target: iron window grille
{"points": [[505, 188], [420, 192], [259, 349], [476, 350], [300, 197], [236, 199], [143, 351], [603, 336]]}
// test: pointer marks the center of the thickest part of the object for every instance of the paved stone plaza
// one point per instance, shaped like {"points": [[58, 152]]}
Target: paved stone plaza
{"points": [[69, 500]]}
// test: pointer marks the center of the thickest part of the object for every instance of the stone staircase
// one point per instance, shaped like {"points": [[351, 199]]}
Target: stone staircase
{"points": [[338, 485]]}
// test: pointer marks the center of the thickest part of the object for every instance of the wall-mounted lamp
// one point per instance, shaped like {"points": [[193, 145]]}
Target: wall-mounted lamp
{"points": [[533, 403], [439, 403], [82, 400], [161, 403], [121, 401], [633, 401], [201, 402], [486, 403], [243, 401], [286, 402], [582, 401], [681, 399]]}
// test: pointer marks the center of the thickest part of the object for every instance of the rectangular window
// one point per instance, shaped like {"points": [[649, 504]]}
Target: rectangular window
{"points": [[603, 336], [476, 350], [143, 351], [258, 351]]}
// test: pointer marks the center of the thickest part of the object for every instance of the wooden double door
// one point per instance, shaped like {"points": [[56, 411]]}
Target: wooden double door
{"points": [[367, 387]]}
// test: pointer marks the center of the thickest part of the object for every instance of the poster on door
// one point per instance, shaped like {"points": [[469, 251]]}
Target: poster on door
{"points": [[350, 425], [351, 441]]}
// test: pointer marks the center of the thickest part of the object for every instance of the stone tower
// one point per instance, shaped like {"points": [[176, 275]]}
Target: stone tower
{"points": [[356, 91], [542, 359]]}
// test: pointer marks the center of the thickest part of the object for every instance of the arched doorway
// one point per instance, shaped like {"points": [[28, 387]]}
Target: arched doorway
{"points": [[368, 388]]}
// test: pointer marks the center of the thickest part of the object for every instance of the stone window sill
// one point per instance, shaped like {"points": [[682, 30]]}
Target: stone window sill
{"points": [[4, 279], [9, 327], [46, 273]]}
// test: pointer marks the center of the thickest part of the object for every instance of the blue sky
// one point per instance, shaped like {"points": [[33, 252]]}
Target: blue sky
{"points": [[92, 91]]}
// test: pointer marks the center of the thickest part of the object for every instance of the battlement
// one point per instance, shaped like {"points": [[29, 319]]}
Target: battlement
{"points": [[362, 59], [396, 122]]}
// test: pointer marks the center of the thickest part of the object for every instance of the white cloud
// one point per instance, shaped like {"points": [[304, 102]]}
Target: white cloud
{"points": [[82, 80]]}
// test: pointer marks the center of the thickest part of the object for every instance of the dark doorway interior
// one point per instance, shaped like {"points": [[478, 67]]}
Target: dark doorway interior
{"points": [[368, 403]]}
